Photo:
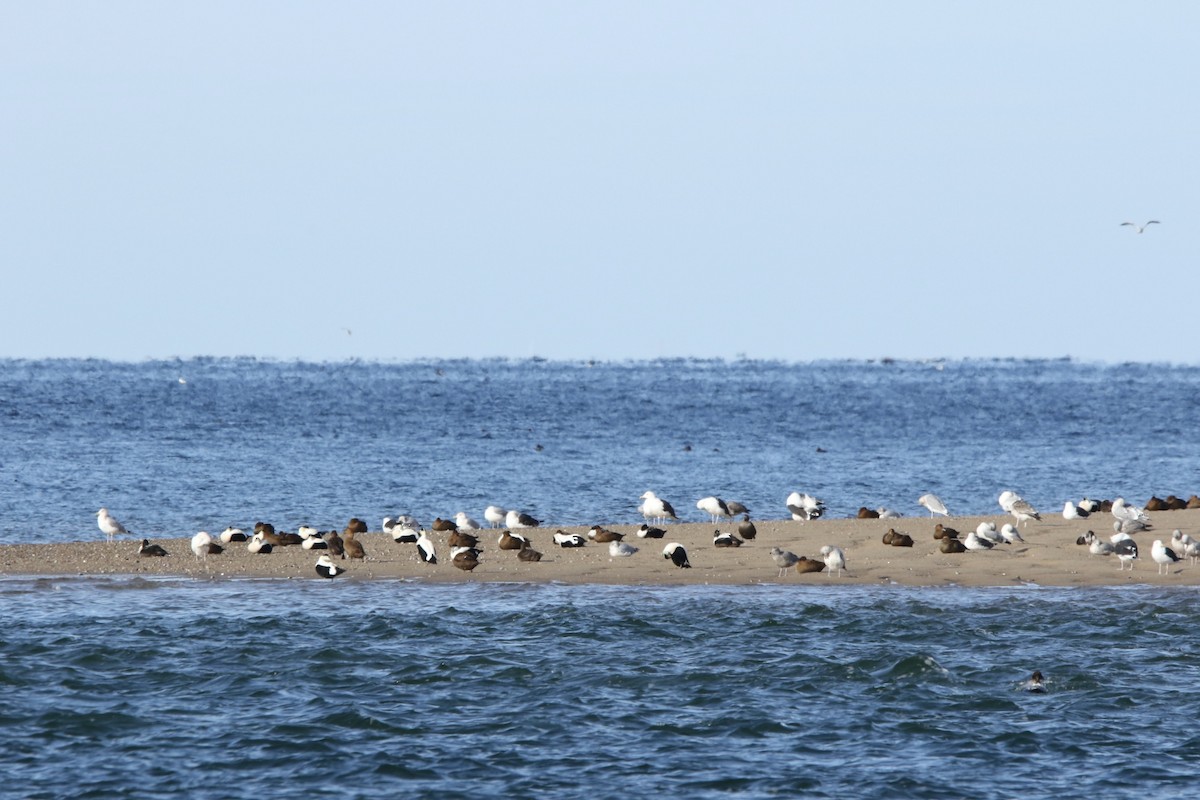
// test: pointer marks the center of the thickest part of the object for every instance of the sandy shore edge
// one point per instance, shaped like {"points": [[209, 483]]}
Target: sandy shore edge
{"points": [[1049, 557]]}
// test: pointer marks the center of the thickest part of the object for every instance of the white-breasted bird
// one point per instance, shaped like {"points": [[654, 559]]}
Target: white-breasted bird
{"points": [[620, 549], [655, 508], [327, 569], [108, 524], [835, 559], [1142, 227], [934, 504], [715, 507], [1163, 556], [784, 559], [494, 516], [804, 506], [675, 553], [203, 545]]}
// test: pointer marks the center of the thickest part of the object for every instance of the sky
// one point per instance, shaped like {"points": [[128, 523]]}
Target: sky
{"points": [[599, 180]]}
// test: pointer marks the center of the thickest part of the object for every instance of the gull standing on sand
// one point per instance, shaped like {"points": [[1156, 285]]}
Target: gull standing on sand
{"points": [[655, 508], [1124, 511], [1140, 228], [494, 515], [203, 545], [1127, 551], [464, 522], [934, 504], [784, 559], [517, 519], [834, 559], [1163, 556], [108, 524], [1014, 504], [713, 506]]}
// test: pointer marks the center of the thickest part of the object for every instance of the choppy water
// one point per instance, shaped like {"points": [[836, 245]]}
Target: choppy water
{"points": [[259, 689], [240, 440]]}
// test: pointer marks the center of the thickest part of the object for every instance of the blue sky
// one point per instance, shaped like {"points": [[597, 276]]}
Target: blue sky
{"points": [[599, 180]]}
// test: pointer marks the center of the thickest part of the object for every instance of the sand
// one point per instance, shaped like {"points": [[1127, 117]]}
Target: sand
{"points": [[1049, 557]]}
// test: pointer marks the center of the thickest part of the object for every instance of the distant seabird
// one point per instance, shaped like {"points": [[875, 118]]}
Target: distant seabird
{"points": [[655, 508], [725, 540], [494, 516], [356, 525], [1023, 511], [108, 524], [443, 525], [620, 549], [1142, 227], [784, 559], [950, 545], [1130, 526], [1127, 551], [715, 507], [528, 554], [886, 513], [327, 569], [736, 508], [1096, 545], [402, 534], [512, 541], [934, 504], [600, 534], [1010, 534], [940, 531], [569, 539], [465, 558], [867, 513], [258, 544], [425, 549], [1163, 556], [675, 553], [746, 528], [353, 547], [1180, 542], [458, 538], [647, 532], [1036, 683], [1072, 511], [337, 546], [804, 506], [150, 550], [976, 542], [804, 565], [835, 559], [232, 534], [515, 519], [1125, 512], [464, 522], [203, 545]]}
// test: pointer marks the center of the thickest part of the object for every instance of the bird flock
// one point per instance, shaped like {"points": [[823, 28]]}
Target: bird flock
{"points": [[461, 538]]}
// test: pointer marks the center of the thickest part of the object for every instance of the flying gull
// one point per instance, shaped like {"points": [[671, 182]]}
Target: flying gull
{"points": [[1140, 228]]}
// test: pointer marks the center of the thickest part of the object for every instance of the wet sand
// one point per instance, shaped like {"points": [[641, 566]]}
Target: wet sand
{"points": [[1049, 557]]}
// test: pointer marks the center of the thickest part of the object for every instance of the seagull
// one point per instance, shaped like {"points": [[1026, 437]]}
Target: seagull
{"points": [[1123, 511], [804, 506], [108, 524], [1096, 545], [203, 545], [988, 533], [464, 522], [147, 549], [736, 508], [1130, 526], [1180, 542], [1010, 534], [1127, 552], [934, 504], [887, 513], [784, 559], [1014, 504], [834, 559], [655, 508], [675, 553], [714, 507], [976, 542], [1072, 511], [569, 539], [620, 549], [327, 569], [494, 515], [516, 519], [1163, 556], [1140, 228]]}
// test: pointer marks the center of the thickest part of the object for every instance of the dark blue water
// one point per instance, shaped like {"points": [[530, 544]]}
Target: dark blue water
{"points": [[258, 689], [242, 440], [135, 688]]}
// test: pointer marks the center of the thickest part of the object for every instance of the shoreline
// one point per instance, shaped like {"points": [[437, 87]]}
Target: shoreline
{"points": [[1048, 557]]}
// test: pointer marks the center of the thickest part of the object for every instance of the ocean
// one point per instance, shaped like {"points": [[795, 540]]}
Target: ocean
{"points": [[250, 688]]}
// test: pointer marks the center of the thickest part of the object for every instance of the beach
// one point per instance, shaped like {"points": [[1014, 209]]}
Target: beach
{"points": [[1048, 557]]}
